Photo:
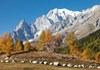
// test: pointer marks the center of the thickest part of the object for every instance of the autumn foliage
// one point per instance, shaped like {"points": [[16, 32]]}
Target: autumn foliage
{"points": [[86, 48], [45, 39], [48, 37], [58, 39], [6, 43], [97, 57], [40, 46], [19, 45], [72, 45], [27, 46], [87, 54]]}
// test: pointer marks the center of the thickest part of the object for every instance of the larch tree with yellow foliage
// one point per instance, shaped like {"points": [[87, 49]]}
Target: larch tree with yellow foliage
{"points": [[6, 43], [27, 46], [71, 43], [10, 44], [97, 56], [87, 54], [19, 45], [41, 42]]}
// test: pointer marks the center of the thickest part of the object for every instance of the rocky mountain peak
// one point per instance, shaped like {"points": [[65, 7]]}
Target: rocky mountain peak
{"points": [[59, 20], [21, 24]]}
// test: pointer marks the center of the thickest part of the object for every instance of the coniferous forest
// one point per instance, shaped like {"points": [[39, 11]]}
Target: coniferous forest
{"points": [[90, 46]]}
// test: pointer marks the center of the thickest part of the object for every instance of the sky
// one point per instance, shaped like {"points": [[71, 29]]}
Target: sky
{"points": [[13, 11]]}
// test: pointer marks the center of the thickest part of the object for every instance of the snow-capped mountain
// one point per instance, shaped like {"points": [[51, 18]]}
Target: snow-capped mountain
{"points": [[59, 20], [22, 31]]}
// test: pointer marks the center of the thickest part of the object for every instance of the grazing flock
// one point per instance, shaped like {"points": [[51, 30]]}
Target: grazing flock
{"points": [[69, 65]]}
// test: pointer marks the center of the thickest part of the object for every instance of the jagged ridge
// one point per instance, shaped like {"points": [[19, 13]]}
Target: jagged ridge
{"points": [[57, 20]]}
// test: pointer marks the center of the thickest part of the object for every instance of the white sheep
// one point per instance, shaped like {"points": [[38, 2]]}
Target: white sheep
{"points": [[6, 61], [40, 62], [34, 62], [75, 66], [45, 62], [50, 63], [1, 61], [83, 66], [6, 58], [69, 65], [63, 65], [56, 63], [94, 66], [13, 61], [98, 67], [79, 66], [22, 61], [90, 66], [30, 61]]}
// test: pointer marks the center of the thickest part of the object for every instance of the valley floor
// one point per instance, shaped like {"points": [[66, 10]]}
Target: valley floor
{"points": [[41, 56], [49, 57], [27, 66]]}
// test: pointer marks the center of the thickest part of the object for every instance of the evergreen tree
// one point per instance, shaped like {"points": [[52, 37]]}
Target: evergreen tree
{"points": [[91, 41]]}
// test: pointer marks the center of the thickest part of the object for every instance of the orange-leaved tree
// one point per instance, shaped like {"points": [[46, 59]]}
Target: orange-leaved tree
{"points": [[48, 37], [58, 39], [87, 54], [6, 43], [49, 40]]}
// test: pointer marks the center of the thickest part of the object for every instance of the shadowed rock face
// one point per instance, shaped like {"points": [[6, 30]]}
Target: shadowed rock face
{"points": [[61, 20], [22, 31]]}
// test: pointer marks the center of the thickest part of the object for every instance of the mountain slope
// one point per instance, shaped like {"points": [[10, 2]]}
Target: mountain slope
{"points": [[22, 31], [61, 20], [88, 26], [92, 41]]}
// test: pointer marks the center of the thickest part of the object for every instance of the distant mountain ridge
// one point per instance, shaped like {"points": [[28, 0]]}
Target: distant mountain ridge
{"points": [[60, 20]]}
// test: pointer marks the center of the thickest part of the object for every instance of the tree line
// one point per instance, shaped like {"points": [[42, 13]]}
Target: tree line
{"points": [[46, 42], [7, 45], [90, 46], [86, 48]]}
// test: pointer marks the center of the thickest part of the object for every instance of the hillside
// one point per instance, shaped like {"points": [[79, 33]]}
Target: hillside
{"points": [[92, 41], [89, 46]]}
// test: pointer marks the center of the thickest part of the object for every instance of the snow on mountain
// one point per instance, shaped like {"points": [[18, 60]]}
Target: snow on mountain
{"points": [[22, 31], [57, 20], [55, 14], [42, 23], [33, 28]]}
